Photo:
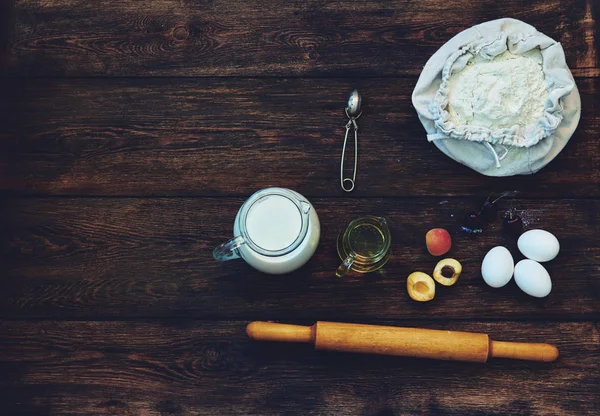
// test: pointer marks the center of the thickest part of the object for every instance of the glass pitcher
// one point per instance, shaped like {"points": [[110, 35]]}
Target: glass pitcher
{"points": [[275, 231]]}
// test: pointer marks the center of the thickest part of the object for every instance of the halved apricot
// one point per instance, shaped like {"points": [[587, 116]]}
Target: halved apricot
{"points": [[447, 271], [420, 286]]}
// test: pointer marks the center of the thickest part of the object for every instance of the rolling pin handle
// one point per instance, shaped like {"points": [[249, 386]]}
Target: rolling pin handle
{"points": [[270, 331], [523, 351]]}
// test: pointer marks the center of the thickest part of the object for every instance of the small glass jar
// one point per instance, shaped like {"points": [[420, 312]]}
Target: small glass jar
{"points": [[364, 246]]}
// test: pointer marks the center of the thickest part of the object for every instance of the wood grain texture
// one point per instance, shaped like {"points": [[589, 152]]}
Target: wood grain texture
{"points": [[5, 33], [193, 367], [130, 134], [92, 257], [216, 137], [217, 38]]}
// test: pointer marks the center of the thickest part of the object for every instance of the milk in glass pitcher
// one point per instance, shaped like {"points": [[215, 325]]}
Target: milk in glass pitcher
{"points": [[275, 231]]}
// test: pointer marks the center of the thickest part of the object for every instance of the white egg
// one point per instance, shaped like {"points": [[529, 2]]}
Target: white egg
{"points": [[497, 267], [538, 245], [532, 278]]}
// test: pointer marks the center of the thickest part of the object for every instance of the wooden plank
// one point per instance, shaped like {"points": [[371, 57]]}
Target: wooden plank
{"points": [[5, 33], [213, 137], [586, 72], [90, 258], [194, 367], [220, 38]]}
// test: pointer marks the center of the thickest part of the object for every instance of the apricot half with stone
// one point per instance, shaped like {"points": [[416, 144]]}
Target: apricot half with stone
{"points": [[420, 286], [446, 272]]}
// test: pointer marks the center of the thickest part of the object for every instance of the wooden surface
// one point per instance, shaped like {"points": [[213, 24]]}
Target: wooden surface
{"points": [[222, 137], [131, 133]]}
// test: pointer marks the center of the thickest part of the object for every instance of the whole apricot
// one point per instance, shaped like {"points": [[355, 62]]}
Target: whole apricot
{"points": [[438, 241]]}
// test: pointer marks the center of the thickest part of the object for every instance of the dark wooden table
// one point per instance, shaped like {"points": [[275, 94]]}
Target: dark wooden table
{"points": [[132, 132]]}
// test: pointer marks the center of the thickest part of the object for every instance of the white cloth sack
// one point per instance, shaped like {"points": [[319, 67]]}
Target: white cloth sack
{"points": [[501, 152]]}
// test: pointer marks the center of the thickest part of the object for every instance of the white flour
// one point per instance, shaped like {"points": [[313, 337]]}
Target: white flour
{"points": [[503, 92]]}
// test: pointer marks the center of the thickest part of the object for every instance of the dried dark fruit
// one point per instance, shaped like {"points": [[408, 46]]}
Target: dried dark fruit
{"points": [[472, 223], [513, 224], [489, 211]]}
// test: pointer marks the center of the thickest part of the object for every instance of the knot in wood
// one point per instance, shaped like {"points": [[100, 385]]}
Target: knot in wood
{"points": [[181, 32]]}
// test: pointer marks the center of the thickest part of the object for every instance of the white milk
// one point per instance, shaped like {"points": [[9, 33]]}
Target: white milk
{"points": [[274, 223]]}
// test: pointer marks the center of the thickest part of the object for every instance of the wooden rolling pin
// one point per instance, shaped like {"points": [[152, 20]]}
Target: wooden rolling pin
{"points": [[408, 342]]}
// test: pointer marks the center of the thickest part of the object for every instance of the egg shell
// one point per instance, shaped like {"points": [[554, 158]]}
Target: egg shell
{"points": [[532, 278], [538, 245], [497, 267]]}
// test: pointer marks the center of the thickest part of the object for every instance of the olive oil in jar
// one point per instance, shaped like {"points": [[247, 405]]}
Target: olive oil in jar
{"points": [[364, 246]]}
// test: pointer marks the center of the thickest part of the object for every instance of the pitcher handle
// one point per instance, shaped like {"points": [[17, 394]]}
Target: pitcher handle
{"points": [[229, 250], [345, 266]]}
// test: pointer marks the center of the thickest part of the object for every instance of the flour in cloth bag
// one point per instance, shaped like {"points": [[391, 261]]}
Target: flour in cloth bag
{"points": [[479, 97], [508, 90]]}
